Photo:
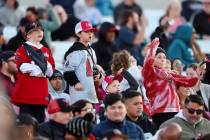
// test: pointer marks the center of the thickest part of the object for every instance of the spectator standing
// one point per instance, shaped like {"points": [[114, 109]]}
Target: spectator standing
{"points": [[161, 84], [35, 63], [80, 65], [106, 45]]}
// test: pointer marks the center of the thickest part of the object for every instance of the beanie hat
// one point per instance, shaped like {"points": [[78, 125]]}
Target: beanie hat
{"points": [[160, 50], [79, 127], [4, 56]]}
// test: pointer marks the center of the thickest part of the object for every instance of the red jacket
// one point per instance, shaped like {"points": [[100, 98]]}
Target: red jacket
{"points": [[30, 89], [161, 85]]}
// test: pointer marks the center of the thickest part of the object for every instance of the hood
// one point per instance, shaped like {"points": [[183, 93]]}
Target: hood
{"points": [[52, 91], [184, 32], [105, 27]]}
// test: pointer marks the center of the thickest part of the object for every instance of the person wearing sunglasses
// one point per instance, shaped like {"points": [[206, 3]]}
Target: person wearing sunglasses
{"points": [[191, 118]]}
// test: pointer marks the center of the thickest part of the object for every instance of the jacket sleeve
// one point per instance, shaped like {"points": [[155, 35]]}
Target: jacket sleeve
{"points": [[131, 81], [45, 131], [72, 62], [148, 68], [183, 80]]}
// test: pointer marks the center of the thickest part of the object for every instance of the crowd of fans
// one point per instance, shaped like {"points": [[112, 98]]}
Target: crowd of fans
{"points": [[115, 84]]}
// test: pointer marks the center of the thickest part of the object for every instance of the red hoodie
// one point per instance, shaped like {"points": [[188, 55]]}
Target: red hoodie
{"points": [[161, 84]]}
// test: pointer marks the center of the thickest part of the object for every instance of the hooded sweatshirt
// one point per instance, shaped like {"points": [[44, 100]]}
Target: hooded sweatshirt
{"points": [[58, 94], [180, 47], [104, 49]]}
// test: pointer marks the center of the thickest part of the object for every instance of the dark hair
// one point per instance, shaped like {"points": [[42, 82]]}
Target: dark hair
{"points": [[124, 16], [111, 99], [78, 105], [33, 10], [27, 119], [128, 94], [195, 99], [160, 50], [193, 66]]}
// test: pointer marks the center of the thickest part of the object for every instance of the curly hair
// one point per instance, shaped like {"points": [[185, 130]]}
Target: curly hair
{"points": [[120, 60]]}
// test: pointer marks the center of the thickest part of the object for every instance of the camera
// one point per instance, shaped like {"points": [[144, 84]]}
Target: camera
{"points": [[95, 70]]}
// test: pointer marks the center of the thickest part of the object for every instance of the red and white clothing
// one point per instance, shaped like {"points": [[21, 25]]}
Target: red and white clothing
{"points": [[31, 88], [161, 85]]}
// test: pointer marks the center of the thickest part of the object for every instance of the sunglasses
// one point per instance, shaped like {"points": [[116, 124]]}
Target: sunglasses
{"points": [[192, 111]]}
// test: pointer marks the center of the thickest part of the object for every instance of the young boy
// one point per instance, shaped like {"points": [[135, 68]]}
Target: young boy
{"points": [[80, 65], [35, 63]]}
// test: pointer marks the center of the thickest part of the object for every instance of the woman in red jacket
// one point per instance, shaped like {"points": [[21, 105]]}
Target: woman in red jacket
{"points": [[161, 84]]}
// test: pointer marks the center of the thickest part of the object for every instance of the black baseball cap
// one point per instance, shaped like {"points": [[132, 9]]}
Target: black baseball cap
{"points": [[56, 73], [33, 27], [4, 56]]}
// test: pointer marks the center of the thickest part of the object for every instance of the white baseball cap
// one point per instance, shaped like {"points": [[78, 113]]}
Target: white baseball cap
{"points": [[84, 26]]}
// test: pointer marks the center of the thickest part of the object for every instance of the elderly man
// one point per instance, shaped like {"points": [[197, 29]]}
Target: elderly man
{"points": [[191, 118]]}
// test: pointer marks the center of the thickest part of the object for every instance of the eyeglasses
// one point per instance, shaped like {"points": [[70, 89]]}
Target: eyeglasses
{"points": [[192, 111], [89, 110]]}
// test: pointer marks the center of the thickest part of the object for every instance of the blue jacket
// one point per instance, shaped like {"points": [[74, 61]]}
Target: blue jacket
{"points": [[128, 128], [180, 47]]}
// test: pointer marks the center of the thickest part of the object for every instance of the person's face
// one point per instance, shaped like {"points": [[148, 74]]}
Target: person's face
{"points": [[168, 64], [193, 112], [190, 72], [183, 91], [116, 112], [135, 19], [174, 10], [63, 117], [56, 83], [202, 70], [31, 16], [10, 3], [160, 60], [113, 87], [110, 36], [11, 66], [61, 12], [36, 35], [206, 6], [134, 106], [70, 137], [86, 37], [87, 109], [178, 66]]}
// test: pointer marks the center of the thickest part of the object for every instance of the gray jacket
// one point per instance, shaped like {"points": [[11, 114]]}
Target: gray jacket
{"points": [[79, 63]]}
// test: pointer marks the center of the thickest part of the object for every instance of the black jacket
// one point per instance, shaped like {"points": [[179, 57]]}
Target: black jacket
{"points": [[164, 40], [146, 125], [66, 30], [15, 42], [52, 130]]}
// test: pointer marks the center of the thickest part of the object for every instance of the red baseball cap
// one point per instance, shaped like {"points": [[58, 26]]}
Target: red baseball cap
{"points": [[58, 105], [108, 80], [84, 26]]}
